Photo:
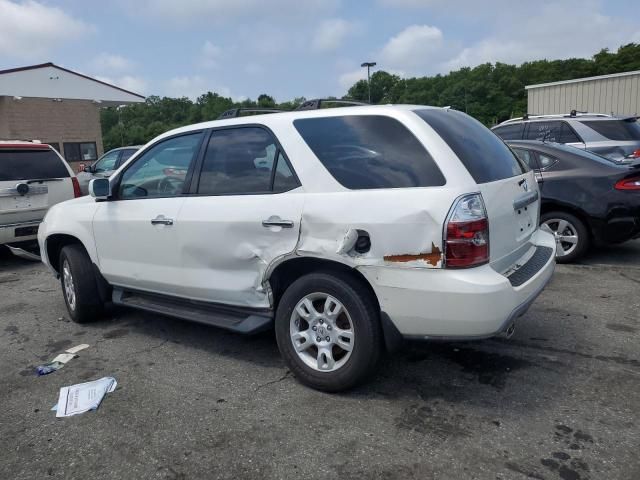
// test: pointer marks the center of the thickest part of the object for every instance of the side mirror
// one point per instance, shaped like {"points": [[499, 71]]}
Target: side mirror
{"points": [[100, 188]]}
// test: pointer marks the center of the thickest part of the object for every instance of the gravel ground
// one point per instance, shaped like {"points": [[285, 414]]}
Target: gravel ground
{"points": [[559, 400]]}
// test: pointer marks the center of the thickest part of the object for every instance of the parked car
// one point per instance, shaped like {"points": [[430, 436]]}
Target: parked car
{"points": [[348, 228], [617, 138], [585, 197], [33, 177], [105, 165]]}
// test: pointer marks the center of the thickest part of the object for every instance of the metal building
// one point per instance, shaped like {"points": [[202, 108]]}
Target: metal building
{"points": [[617, 94]]}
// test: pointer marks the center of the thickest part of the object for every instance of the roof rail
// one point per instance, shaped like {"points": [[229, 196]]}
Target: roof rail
{"points": [[316, 103], [236, 112], [572, 114]]}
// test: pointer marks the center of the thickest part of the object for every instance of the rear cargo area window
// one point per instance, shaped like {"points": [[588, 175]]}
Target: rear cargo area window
{"points": [[22, 164], [620, 130], [481, 151], [370, 151]]}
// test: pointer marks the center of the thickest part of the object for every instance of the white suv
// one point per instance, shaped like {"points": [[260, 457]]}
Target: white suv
{"points": [[33, 176], [349, 228]]}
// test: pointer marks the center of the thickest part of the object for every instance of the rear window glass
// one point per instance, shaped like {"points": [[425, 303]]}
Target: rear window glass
{"points": [[620, 130], [370, 151], [510, 132], [21, 164], [482, 152]]}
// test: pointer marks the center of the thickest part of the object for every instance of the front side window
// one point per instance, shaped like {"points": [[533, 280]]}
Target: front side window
{"points": [[126, 155], [161, 170], [369, 151], [510, 132], [486, 157], [107, 162], [241, 161]]}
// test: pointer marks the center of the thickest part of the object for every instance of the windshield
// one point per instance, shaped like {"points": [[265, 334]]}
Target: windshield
{"points": [[24, 164]]}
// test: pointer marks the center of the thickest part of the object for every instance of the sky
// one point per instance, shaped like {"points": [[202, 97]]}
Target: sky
{"points": [[293, 48]]}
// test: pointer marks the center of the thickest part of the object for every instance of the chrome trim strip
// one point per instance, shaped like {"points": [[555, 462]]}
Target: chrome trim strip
{"points": [[31, 223]]}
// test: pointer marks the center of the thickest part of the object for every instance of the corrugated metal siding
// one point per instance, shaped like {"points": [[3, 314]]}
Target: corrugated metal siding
{"points": [[617, 95]]}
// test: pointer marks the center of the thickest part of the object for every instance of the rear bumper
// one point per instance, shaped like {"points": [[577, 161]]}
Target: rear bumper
{"points": [[8, 231], [457, 304]]}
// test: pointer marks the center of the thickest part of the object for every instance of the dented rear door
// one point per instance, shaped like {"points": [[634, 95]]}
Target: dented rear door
{"points": [[244, 213]]}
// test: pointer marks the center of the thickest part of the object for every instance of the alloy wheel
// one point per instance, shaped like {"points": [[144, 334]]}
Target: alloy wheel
{"points": [[565, 233], [322, 332], [69, 287]]}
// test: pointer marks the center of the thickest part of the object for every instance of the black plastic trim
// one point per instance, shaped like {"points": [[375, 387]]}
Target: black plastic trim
{"points": [[536, 263]]}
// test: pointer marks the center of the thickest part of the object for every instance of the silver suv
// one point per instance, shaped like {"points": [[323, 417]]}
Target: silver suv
{"points": [[617, 138]]}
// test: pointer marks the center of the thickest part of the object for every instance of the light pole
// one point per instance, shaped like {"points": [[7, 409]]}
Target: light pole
{"points": [[369, 65]]}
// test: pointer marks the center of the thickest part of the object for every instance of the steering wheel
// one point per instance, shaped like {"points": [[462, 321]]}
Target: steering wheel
{"points": [[169, 185]]}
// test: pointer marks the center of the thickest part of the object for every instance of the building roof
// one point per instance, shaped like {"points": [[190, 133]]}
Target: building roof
{"points": [[585, 79], [48, 80]]}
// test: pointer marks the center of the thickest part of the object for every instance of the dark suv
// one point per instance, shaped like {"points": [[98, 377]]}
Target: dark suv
{"points": [[617, 138]]}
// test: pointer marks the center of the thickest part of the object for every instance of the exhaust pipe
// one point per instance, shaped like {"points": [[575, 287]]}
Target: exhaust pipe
{"points": [[508, 333], [19, 252]]}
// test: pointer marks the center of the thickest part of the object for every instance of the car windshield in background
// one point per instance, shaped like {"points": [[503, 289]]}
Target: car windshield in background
{"points": [[482, 152], [370, 151], [24, 164], [621, 130]]}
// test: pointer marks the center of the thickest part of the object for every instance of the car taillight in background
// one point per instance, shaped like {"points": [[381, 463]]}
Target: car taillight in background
{"points": [[76, 187], [634, 154], [632, 183], [466, 236]]}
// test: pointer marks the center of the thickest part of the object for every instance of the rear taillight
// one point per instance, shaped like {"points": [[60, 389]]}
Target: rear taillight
{"points": [[635, 154], [76, 187], [632, 183], [466, 235]]}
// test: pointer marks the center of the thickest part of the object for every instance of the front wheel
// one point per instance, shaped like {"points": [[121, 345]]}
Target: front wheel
{"points": [[328, 331], [79, 287], [572, 237]]}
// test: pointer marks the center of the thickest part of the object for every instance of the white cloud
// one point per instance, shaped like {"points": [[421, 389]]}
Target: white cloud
{"points": [[31, 29], [547, 33], [192, 86], [221, 10], [109, 62], [210, 55], [347, 79], [128, 82], [331, 34], [412, 48]]}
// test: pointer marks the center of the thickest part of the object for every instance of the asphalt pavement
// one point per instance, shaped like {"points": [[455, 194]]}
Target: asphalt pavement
{"points": [[559, 400]]}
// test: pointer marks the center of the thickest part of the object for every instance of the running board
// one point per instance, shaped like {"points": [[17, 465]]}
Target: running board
{"points": [[236, 319]]}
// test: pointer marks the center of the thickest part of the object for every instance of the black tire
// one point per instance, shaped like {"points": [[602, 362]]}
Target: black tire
{"points": [[88, 305], [365, 318], [578, 227]]}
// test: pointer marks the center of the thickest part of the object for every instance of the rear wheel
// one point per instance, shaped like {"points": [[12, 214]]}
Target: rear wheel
{"points": [[328, 331], [572, 237], [79, 286]]}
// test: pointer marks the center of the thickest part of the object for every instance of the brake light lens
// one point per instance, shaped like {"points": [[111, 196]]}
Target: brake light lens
{"points": [[632, 183], [76, 187], [467, 233], [634, 154]]}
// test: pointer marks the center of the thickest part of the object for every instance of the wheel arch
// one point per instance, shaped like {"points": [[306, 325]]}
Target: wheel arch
{"points": [[553, 206], [288, 270], [54, 245]]}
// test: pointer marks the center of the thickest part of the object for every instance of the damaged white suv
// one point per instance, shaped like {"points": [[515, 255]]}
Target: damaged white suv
{"points": [[348, 228]]}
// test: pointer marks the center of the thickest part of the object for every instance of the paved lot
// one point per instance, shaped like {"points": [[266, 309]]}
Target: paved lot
{"points": [[560, 400]]}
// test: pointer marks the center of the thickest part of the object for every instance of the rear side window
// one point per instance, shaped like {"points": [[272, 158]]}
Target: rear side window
{"points": [[242, 161], [620, 130], [527, 157], [22, 164], [483, 153], [552, 131], [369, 151], [510, 132]]}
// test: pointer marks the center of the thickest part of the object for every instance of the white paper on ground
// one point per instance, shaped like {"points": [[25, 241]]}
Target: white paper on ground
{"points": [[77, 348], [83, 397], [63, 358]]}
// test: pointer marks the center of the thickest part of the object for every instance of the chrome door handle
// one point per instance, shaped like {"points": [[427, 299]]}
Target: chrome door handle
{"points": [[277, 222], [162, 220]]}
